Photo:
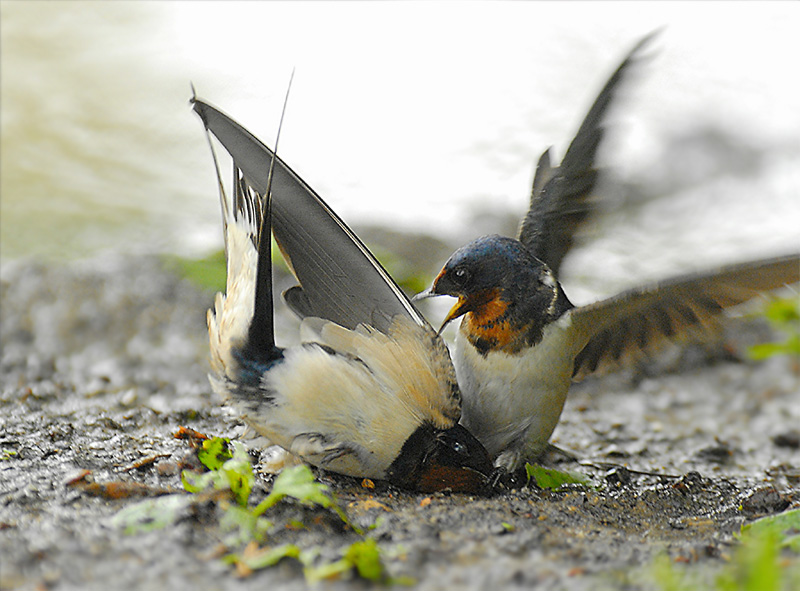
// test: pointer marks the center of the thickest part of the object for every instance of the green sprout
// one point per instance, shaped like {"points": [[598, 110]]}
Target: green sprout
{"points": [[214, 452], [554, 479], [234, 473], [362, 556], [759, 562], [244, 526], [266, 557], [785, 525], [298, 482], [783, 314], [152, 514]]}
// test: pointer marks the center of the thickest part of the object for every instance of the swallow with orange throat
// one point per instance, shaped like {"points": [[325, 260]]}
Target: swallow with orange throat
{"points": [[521, 342], [371, 392]]}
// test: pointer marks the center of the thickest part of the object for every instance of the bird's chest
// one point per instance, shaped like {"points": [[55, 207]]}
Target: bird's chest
{"points": [[540, 371], [504, 394]]}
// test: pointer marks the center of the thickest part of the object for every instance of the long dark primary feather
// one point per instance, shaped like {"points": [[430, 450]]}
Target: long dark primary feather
{"points": [[641, 318], [341, 280], [559, 202], [261, 336]]}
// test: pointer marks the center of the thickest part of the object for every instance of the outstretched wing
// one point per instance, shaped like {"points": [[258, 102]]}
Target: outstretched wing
{"points": [[341, 280], [637, 320], [560, 195]]}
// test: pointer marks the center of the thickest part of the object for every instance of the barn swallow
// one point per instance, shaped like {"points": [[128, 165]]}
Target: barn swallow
{"points": [[371, 392], [521, 341]]}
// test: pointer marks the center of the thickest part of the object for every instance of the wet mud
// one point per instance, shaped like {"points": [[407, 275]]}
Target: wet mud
{"points": [[103, 361]]}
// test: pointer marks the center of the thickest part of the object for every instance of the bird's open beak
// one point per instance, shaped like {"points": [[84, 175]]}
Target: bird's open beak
{"points": [[424, 295], [459, 309]]}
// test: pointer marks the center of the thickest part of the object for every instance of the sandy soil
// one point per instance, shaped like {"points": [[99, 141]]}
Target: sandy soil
{"points": [[103, 361]]}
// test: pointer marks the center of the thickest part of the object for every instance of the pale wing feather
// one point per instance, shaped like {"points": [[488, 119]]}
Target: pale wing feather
{"points": [[337, 398], [412, 360]]}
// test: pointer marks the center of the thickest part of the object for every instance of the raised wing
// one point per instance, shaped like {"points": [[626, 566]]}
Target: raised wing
{"points": [[639, 319], [341, 280], [560, 195]]}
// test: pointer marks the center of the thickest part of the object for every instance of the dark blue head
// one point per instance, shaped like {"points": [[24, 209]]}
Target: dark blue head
{"points": [[497, 280], [485, 263]]}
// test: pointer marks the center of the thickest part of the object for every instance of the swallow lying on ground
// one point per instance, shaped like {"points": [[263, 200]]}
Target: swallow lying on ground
{"points": [[522, 342], [374, 393]]}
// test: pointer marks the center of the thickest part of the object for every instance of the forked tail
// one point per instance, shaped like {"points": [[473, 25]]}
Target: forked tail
{"points": [[240, 326]]}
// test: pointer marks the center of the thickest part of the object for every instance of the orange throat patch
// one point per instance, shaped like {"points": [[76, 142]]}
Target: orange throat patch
{"points": [[488, 328]]}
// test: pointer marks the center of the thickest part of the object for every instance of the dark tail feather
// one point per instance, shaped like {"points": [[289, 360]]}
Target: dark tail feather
{"points": [[261, 335], [239, 337]]}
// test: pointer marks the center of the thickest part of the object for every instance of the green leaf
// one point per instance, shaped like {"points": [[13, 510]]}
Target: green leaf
{"points": [[214, 452], [235, 474], [239, 473], [761, 351], [364, 557], [152, 514], [195, 483], [314, 574], [785, 525], [298, 482], [783, 311], [267, 557], [553, 479], [784, 315], [242, 526], [210, 272], [755, 565], [507, 526], [668, 576]]}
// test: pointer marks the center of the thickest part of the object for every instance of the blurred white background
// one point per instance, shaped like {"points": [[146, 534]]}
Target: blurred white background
{"points": [[412, 115]]}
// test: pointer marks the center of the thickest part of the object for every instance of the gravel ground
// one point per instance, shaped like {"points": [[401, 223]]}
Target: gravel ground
{"points": [[102, 361]]}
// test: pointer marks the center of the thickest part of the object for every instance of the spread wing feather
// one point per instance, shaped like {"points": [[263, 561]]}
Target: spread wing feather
{"points": [[639, 319], [341, 280], [560, 196]]}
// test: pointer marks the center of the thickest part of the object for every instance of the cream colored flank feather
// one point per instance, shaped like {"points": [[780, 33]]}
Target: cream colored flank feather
{"points": [[351, 411], [229, 321]]}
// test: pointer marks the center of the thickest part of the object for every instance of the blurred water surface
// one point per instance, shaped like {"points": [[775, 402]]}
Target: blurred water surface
{"points": [[412, 115]]}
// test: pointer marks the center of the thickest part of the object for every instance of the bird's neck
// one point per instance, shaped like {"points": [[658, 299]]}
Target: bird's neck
{"points": [[510, 324], [494, 325]]}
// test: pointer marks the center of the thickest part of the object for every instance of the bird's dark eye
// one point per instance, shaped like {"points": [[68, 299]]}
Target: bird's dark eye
{"points": [[457, 446], [461, 275]]}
